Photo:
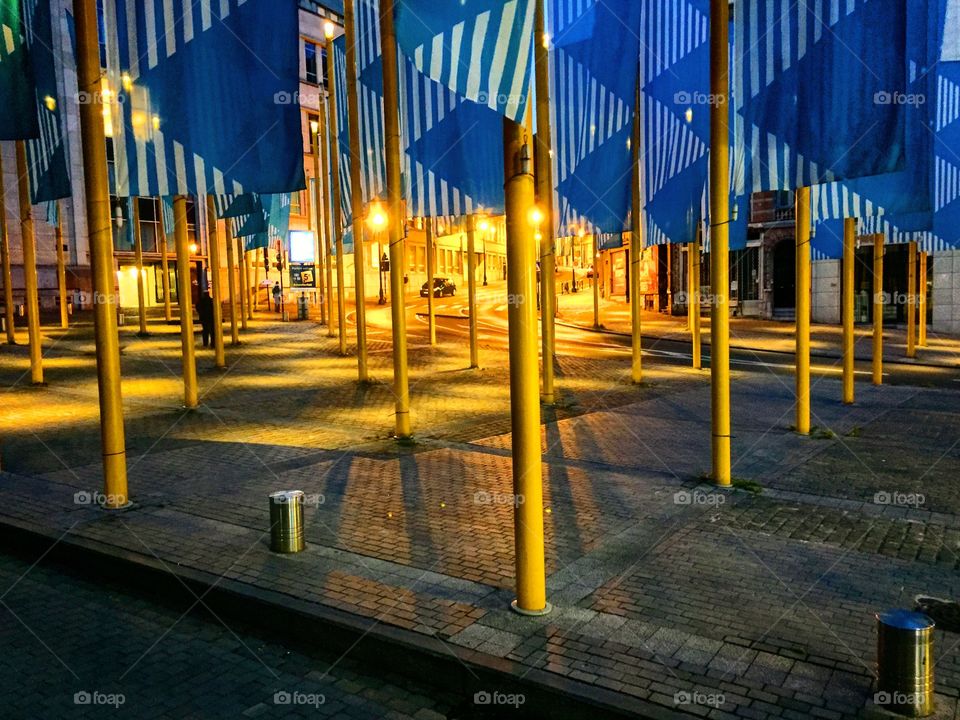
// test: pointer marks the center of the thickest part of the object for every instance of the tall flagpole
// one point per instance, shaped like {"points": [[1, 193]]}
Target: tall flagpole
{"points": [[185, 301], [231, 282], [165, 266], [30, 281], [138, 253], [94, 146], [911, 299], [693, 298], [922, 305], [720, 239], [356, 192], [243, 278], [849, 243], [472, 288], [335, 181], [213, 245], [61, 271], [802, 320], [877, 365], [431, 265], [544, 180], [319, 215], [636, 248], [395, 220], [5, 261], [327, 214]]}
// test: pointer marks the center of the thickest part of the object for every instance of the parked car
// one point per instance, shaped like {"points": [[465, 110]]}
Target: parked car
{"points": [[441, 287]]}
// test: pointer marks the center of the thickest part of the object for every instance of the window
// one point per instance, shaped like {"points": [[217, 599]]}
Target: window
{"points": [[311, 62], [295, 203]]}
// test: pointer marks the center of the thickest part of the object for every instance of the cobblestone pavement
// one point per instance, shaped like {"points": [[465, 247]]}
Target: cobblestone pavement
{"points": [[73, 648], [667, 591]]}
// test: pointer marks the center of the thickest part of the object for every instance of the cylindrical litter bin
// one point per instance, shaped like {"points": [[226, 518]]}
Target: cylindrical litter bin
{"points": [[302, 306], [905, 662], [286, 521]]}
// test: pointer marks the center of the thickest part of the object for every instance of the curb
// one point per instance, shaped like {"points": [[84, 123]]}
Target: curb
{"points": [[377, 646], [706, 346]]}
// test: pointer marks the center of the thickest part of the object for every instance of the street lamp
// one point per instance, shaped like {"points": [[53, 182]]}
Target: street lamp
{"points": [[484, 229], [377, 221]]}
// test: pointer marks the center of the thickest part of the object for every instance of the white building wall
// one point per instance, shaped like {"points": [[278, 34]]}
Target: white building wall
{"points": [[825, 282], [946, 292]]}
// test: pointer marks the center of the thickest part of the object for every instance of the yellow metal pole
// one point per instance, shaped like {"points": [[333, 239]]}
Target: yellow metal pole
{"points": [[5, 260], [802, 380], [431, 263], [849, 244], [164, 267], [636, 250], [472, 288], [693, 301], [247, 289], [391, 114], [213, 242], [61, 271], [524, 395], [138, 253], [337, 211], [255, 289], [720, 240], [319, 216], [544, 165], [356, 191], [31, 283], [596, 283], [922, 320], [185, 301], [231, 283], [242, 273], [912, 301], [327, 214], [97, 193], [878, 309]]}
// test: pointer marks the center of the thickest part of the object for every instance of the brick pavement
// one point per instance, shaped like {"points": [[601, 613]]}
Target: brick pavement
{"points": [[665, 590]]}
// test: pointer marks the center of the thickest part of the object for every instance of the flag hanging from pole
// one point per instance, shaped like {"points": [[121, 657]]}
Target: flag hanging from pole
{"points": [[205, 99], [482, 50], [816, 83], [19, 117], [593, 46]]}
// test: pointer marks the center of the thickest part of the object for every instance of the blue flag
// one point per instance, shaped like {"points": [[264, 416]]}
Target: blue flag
{"points": [[206, 98], [47, 154], [482, 50], [343, 133], [946, 221], [814, 87], [19, 117], [593, 95]]}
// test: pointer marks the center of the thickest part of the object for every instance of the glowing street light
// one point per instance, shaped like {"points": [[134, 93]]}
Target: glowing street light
{"points": [[328, 30], [377, 221]]}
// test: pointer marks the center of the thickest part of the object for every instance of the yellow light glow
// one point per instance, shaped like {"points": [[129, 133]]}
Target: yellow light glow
{"points": [[689, 115], [484, 226], [50, 103], [535, 216], [376, 216], [132, 270], [127, 82], [328, 30], [193, 248], [314, 127], [581, 232], [156, 122], [546, 40]]}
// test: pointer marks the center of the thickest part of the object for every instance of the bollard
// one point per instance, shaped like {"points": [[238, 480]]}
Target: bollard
{"points": [[286, 521], [905, 663]]}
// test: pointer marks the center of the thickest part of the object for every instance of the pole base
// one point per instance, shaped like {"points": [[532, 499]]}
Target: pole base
{"points": [[531, 613], [118, 508]]}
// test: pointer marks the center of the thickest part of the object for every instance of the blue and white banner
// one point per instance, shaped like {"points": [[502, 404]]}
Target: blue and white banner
{"points": [[946, 157], [203, 96], [343, 132], [593, 95], [821, 87], [19, 117], [482, 50], [675, 105], [47, 153]]}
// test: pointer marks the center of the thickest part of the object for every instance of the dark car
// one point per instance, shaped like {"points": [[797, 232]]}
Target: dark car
{"points": [[441, 287]]}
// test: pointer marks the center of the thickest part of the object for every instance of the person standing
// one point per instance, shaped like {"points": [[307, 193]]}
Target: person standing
{"points": [[277, 292], [205, 311]]}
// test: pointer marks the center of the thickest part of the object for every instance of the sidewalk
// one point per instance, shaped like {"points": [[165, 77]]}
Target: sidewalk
{"points": [[671, 599], [753, 334]]}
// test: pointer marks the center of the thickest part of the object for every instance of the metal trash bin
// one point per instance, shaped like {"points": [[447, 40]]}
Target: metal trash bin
{"points": [[905, 663], [302, 306], [286, 521]]}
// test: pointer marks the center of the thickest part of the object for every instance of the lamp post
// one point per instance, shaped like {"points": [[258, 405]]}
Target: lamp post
{"points": [[377, 221], [484, 227], [318, 213]]}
